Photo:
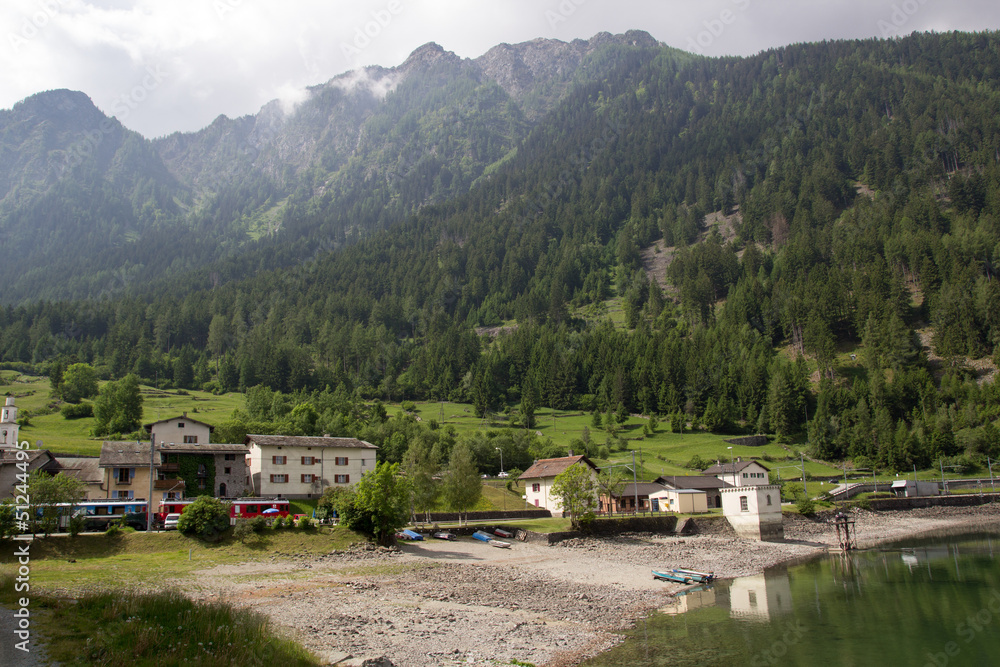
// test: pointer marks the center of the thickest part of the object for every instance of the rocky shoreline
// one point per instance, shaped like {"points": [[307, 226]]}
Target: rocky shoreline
{"points": [[449, 603]]}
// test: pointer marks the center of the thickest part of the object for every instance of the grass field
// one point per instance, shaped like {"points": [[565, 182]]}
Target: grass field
{"points": [[95, 560], [72, 436], [660, 453]]}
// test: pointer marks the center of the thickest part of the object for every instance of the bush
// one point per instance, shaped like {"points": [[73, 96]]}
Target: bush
{"points": [[258, 524], [805, 506], [305, 523], [279, 522], [77, 523], [244, 531], [78, 411], [409, 406], [206, 518]]}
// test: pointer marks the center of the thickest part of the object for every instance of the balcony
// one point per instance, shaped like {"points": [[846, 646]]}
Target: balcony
{"points": [[169, 467]]}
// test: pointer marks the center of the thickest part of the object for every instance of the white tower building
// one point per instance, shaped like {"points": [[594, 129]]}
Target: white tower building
{"points": [[8, 425]]}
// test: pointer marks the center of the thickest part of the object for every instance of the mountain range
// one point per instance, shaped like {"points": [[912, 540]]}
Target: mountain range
{"points": [[89, 208], [804, 242]]}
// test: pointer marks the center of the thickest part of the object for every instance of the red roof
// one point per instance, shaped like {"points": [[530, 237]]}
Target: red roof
{"points": [[553, 467]]}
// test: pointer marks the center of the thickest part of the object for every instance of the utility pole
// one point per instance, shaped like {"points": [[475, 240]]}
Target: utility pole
{"points": [[149, 499], [635, 483], [990, 464]]}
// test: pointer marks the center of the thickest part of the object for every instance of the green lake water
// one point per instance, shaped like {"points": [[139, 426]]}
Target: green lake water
{"points": [[929, 602]]}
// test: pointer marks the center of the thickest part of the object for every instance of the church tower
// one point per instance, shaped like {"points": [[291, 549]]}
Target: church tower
{"points": [[8, 425]]}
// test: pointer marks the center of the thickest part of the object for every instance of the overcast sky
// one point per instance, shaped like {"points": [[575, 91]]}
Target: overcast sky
{"points": [[166, 65]]}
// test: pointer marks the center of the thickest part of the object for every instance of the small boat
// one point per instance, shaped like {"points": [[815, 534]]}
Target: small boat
{"points": [[481, 536], [672, 576], [411, 535], [499, 544], [444, 535], [700, 577], [500, 532]]}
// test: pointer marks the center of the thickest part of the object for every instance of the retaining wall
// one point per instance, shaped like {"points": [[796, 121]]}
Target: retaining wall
{"points": [[961, 500]]}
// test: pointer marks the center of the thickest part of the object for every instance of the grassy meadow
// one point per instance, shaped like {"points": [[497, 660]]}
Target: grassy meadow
{"points": [[659, 453]]}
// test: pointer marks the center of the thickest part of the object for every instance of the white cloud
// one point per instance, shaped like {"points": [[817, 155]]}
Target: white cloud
{"points": [[233, 56]]}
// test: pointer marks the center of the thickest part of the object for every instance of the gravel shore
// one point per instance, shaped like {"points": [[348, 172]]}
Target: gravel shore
{"points": [[463, 602]]}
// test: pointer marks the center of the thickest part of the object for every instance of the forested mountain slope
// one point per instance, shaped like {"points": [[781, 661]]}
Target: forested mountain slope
{"points": [[91, 209], [866, 181]]}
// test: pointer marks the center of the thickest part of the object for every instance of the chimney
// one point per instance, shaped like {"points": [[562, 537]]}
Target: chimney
{"points": [[184, 414], [571, 452]]}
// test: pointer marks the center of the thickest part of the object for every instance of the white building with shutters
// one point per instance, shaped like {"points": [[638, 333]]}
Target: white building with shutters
{"points": [[302, 467]]}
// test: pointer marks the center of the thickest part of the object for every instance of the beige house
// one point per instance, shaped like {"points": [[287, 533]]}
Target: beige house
{"points": [[538, 480], [681, 501], [125, 467], [180, 431], [740, 473], [302, 467]]}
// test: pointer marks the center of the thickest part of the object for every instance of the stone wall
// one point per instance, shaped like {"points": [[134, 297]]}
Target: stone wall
{"points": [[960, 500]]}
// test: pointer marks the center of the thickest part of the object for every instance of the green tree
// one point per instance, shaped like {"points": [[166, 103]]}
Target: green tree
{"points": [[47, 492], [79, 382], [576, 488], [610, 482], [118, 408], [206, 518], [462, 486], [420, 466], [379, 505]]}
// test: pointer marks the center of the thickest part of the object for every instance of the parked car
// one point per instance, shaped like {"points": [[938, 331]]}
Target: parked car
{"points": [[170, 521], [503, 475]]}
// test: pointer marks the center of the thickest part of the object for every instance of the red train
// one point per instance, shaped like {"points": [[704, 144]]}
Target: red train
{"points": [[239, 508]]}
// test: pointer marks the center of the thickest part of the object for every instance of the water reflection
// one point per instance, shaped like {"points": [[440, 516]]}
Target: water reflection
{"points": [[761, 597], [910, 603]]}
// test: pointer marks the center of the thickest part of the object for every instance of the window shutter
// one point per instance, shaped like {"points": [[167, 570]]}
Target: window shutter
{"points": [[347, 479]]}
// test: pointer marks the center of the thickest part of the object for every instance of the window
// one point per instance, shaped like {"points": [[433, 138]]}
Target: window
{"points": [[752, 598], [769, 499], [308, 478], [340, 461], [279, 479], [123, 495], [278, 460], [308, 460], [744, 506], [125, 475], [190, 440], [535, 488], [342, 479], [180, 424], [228, 470], [230, 457]]}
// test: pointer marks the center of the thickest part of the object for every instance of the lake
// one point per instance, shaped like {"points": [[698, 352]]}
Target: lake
{"points": [[919, 602]]}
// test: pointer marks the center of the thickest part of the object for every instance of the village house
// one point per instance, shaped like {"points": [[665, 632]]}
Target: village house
{"points": [[538, 480], [708, 484], [126, 467], [302, 466], [87, 469], [29, 460], [216, 469], [740, 473], [180, 430], [631, 497], [681, 501]]}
